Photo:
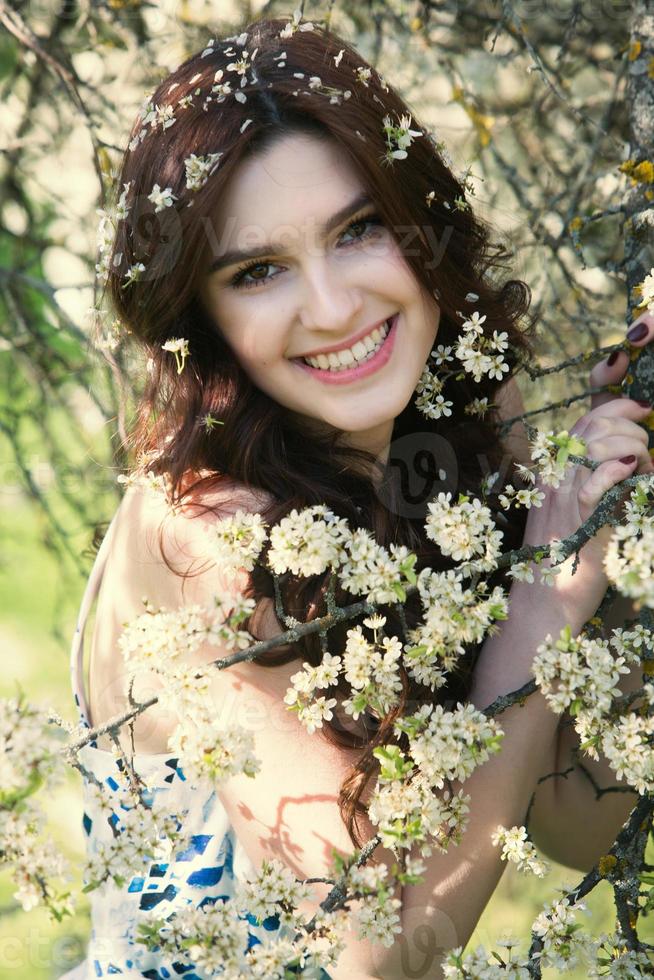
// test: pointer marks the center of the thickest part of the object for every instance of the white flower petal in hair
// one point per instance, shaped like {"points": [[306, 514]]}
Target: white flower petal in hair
{"points": [[240, 66], [363, 75], [122, 208], [164, 116], [399, 138], [478, 406], [223, 89], [179, 347], [161, 198], [133, 274], [199, 169], [245, 125], [337, 57], [294, 25]]}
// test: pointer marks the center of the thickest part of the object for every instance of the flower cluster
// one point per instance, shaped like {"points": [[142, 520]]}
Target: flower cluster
{"points": [[237, 541], [163, 643], [214, 938], [479, 965], [430, 399], [199, 169], [212, 751], [550, 451], [371, 669], [453, 616], [586, 673], [442, 746], [629, 557], [307, 542], [464, 531], [627, 745], [481, 355], [29, 754], [517, 848], [370, 569], [179, 347], [106, 232], [274, 891], [526, 497], [399, 137], [607, 956], [34, 860], [563, 942], [142, 831]]}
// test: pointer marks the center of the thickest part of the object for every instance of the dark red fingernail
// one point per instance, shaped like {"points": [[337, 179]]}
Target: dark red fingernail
{"points": [[644, 404], [637, 332], [628, 460], [612, 358]]}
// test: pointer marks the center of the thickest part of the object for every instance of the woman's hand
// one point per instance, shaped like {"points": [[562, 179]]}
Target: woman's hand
{"points": [[615, 438]]}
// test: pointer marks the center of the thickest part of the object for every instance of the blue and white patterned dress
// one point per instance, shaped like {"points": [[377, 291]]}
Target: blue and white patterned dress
{"points": [[205, 871]]}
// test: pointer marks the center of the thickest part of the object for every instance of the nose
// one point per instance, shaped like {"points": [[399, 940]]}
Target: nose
{"points": [[329, 301]]}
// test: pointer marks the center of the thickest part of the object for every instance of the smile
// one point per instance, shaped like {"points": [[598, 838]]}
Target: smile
{"points": [[365, 357]]}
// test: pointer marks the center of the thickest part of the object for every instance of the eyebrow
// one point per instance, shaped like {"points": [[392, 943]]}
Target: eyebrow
{"points": [[241, 255]]}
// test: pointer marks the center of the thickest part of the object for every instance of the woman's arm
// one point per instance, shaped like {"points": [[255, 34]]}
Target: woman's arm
{"points": [[445, 909], [567, 821]]}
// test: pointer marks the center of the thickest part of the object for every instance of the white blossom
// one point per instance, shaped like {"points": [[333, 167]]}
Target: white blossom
{"points": [[199, 169], [517, 848], [161, 198], [307, 542], [236, 541]]}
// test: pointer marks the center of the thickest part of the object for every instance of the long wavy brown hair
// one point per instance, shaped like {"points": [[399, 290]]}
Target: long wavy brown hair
{"points": [[258, 444]]}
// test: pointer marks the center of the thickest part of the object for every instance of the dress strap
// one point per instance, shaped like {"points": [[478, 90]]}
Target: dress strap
{"points": [[77, 646]]}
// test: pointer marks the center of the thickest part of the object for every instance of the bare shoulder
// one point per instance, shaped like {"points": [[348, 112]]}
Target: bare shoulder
{"points": [[162, 555]]}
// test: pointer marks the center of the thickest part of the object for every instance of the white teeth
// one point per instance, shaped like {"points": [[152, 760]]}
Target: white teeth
{"points": [[361, 352]]}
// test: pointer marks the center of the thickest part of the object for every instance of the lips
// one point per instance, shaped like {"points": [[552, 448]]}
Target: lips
{"points": [[375, 363], [351, 343]]}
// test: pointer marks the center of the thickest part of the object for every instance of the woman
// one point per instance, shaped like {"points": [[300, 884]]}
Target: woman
{"points": [[278, 204]]}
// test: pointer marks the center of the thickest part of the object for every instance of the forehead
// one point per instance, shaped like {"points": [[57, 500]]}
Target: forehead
{"points": [[298, 178]]}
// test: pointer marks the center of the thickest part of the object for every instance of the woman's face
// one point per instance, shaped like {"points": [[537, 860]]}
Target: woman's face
{"points": [[321, 276]]}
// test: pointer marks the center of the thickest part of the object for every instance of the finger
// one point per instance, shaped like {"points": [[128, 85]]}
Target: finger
{"points": [[617, 447], [606, 475], [626, 408], [612, 369], [621, 430], [604, 428]]}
